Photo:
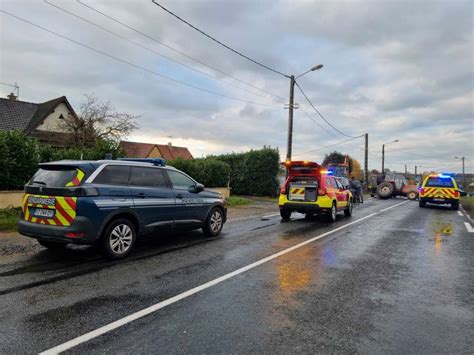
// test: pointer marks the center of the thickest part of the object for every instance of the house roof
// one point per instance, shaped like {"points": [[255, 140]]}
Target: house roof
{"points": [[136, 150], [142, 150], [26, 116]]}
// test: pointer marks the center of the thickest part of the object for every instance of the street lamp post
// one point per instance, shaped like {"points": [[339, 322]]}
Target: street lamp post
{"points": [[463, 176], [383, 154], [291, 106], [416, 170]]}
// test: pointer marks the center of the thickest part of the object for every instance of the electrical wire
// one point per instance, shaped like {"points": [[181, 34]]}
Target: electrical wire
{"points": [[132, 64], [219, 42], [327, 146], [415, 154], [154, 39], [148, 49], [316, 122], [321, 115]]}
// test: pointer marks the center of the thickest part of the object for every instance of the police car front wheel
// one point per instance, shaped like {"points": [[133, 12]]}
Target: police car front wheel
{"points": [[214, 223], [118, 239]]}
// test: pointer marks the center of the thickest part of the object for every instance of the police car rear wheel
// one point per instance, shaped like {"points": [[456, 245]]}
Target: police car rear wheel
{"points": [[455, 206], [118, 239], [214, 223]]}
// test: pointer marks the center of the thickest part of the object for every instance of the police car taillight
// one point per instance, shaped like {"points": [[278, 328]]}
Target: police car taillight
{"points": [[321, 191], [456, 193], [283, 190]]}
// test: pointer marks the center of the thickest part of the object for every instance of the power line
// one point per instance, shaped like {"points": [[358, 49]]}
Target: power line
{"points": [[321, 115], [316, 122], [149, 49], [327, 146], [154, 39], [416, 155], [132, 64], [219, 42]]}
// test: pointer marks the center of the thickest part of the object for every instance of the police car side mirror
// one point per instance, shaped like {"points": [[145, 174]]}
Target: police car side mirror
{"points": [[462, 193], [196, 188]]}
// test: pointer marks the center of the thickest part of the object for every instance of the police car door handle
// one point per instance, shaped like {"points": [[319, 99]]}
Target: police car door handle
{"points": [[179, 196], [141, 194]]}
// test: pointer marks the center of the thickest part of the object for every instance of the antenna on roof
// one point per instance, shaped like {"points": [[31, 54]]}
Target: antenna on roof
{"points": [[170, 143], [17, 88]]}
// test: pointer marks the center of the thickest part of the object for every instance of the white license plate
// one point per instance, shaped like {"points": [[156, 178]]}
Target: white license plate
{"points": [[43, 213], [438, 199]]}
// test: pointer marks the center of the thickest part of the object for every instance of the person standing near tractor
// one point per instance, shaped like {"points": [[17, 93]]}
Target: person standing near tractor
{"points": [[356, 186]]}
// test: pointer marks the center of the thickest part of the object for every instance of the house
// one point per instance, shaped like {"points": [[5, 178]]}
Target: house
{"points": [[39, 120], [150, 150]]}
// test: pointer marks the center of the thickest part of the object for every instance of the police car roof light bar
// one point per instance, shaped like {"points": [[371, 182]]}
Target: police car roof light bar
{"points": [[154, 161]]}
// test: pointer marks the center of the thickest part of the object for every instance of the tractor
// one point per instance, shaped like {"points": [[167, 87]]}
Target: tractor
{"points": [[391, 185]]}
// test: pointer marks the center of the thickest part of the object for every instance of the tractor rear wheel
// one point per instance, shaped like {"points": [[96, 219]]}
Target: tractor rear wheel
{"points": [[385, 190]]}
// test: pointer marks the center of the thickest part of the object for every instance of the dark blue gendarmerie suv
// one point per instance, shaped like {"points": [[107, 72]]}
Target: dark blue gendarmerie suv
{"points": [[112, 202]]}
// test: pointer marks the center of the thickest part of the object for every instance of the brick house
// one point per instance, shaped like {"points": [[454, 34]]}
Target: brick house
{"points": [[150, 150]]}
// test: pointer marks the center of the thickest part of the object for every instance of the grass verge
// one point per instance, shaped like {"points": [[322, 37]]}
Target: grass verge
{"points": [[467, 203], [9, 219], [235, 201]]}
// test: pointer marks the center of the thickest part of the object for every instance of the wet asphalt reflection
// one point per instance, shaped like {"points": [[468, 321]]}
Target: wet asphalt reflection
{"points": [[399, 281]]}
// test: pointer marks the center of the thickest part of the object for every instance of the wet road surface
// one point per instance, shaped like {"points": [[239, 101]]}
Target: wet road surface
{"points": [[393, 278]]}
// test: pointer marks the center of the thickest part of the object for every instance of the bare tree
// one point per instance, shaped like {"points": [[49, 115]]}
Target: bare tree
{"points": [[98, 120]]}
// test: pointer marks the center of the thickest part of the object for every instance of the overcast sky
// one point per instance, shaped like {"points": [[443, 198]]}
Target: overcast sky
{"points": [[394, 69]]}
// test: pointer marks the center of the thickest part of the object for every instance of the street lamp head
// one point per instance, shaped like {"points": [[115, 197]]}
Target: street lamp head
{"points": [[316, 67], [395, 141]]}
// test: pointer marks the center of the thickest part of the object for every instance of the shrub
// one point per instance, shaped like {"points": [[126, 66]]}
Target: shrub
{"points": [[208, 171]]}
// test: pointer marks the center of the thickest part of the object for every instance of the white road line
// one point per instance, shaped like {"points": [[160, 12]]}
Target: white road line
{"points": [[398, 204], [467, 214], [460, 213], [144, 312], [469, 227], [271, 215]]}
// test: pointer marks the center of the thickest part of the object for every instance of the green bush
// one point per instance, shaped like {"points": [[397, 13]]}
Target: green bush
{"points": [[208, 171], [19, 158], [252, 173]]}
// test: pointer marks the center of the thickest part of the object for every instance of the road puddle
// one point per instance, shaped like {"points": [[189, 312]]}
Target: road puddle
{"points": [[441, 232]]}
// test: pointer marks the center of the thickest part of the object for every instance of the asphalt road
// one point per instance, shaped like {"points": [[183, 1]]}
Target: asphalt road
{"points": [[393, 278]]}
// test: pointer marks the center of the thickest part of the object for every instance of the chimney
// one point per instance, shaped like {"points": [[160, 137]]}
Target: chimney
{"points": [[11, 97], [169, 144]]}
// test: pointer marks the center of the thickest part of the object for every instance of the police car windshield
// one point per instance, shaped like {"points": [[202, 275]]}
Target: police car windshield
{"points": [[439, 182], [53, 177]]}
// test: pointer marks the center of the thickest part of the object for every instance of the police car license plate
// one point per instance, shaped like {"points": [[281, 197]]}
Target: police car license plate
{"points": [[438, 199], [43, 213]]}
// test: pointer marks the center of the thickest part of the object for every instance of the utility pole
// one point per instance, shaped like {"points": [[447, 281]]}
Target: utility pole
{"points": [[415, 171], [406, 172], [463, 175], [290, 117], [366, 162], [383, 158], [291, 106], [383, 154]]}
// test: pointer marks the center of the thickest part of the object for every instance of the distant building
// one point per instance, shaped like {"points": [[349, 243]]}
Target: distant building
{"points": [[39, 120], [150, 150]]}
